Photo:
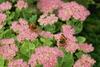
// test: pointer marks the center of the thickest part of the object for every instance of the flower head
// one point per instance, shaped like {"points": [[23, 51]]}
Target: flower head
{"points": [[8, 48], [74, 10], [5, 6], [17, 63], [46, 56], [48, 6], [84, 61], [86, 47], [66, 39], [47, 20], [21, 4]]}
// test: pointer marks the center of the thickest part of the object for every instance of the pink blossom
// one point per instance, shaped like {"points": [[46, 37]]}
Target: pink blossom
{"points": [[69, 32], [74, 10], [27, 34], [2, 19], [8, 48], [17, 63], [65, 12], [46, 34], [48, 6], [20, 26], [5, 6], [79, 11], [86, 47], [47, 20], [67, 39], [84, 61], [21, 4], [24, 32], [46, 56], [7, 41]]}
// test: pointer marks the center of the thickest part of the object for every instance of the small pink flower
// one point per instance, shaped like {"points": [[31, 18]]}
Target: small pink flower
{"points": [[86, 47], [20, 26], [7, 41], [17, 63], [46, 34], [48, 6], [5, 6], [2, 19], [46, 56], [8, 48], [84, 61], [47, 20], [21, 4], [26, 34]]}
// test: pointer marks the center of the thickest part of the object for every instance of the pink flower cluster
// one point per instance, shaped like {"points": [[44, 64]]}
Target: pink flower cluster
{"points": [[17, 63], [46, 34], [5, 6], [65, 10], [46, 56], [66, 39], [84, 61], [48, 6], [8, 48], [24, 31], [2, 19], [47, 20], [72, 9], [21, 4], [86, 47]]}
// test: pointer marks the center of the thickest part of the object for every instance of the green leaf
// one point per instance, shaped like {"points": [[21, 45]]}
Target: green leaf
{"points": [[2, 61], [39, 65], [46, 41], [26, 13], [33, 18], [27, 47], [55, 28], [81, 39], [78, 25], [66, 61], [79, 54], [7, 34]]}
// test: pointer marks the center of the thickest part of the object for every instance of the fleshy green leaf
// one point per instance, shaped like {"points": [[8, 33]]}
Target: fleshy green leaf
{"points": [[33, 18], [46, 41], [39, 65], [79, 54], [7, 34], [66, 61], [27, 48], [78, 26], [81, 39], [2, 61]]}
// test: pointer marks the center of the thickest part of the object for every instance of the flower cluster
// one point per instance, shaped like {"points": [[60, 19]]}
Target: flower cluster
{"points": [[21, 4], [84, 61], [17, 63], [72, 9], [46, 56], [2, 19], [8, 48], [5, 6], [24, 31]]}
